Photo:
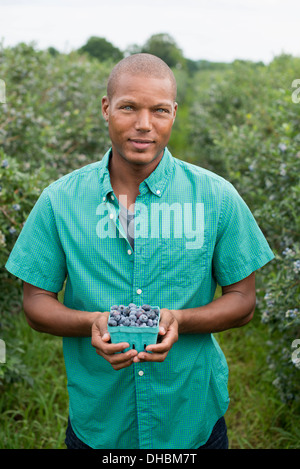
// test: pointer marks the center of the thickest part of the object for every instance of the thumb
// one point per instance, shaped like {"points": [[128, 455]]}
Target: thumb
{"points": [[165, 321], [101, 326]]}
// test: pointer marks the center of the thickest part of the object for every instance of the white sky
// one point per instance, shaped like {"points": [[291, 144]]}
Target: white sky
{"points": [[216, 30]]}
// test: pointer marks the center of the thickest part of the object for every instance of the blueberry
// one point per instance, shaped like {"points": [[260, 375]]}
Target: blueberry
{"points": [[146, 307], [143, 318], [112, 322], [132, 317]]}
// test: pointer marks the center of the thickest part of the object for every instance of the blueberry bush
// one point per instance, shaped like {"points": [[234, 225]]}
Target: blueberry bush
{"points": [[18, 193], [52, 113]]}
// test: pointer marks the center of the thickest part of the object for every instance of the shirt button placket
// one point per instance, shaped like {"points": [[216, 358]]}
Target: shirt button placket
{"points": [[139, 263], [144, 405], [143, 394]]}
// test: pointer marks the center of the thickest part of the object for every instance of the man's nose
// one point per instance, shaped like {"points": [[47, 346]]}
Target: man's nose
{"points": [[143, 121]]}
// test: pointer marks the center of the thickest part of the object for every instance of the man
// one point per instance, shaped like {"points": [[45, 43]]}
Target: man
{"points": [[191, 231]]}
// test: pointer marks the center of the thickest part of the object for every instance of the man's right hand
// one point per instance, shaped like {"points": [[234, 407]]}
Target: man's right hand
{"points": [[109, 351]]}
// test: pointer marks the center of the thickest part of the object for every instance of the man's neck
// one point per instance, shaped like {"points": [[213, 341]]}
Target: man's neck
{"points": [[126, 178]]}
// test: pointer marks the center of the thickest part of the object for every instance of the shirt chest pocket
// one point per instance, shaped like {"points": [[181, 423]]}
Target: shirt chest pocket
{"points": [[184, 260]]}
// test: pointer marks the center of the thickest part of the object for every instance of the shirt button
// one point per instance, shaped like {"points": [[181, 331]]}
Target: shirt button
{"points": [[139, 291], [111, 215], [112, 197], [141, 372], [158, 192], [104, 198], [129, 252]]}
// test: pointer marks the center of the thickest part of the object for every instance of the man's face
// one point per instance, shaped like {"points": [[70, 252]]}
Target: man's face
{"points": [[140, 116]]}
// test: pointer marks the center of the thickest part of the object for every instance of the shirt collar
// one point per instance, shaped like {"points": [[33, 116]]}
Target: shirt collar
{"points": [[106, 187], [156, 182], [159, 178]]}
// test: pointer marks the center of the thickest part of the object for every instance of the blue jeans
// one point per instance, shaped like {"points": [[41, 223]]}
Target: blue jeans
{"points": [[217, 440]]}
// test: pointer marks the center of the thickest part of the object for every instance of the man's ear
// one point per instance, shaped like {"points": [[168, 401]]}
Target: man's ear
{"points": [[175, 111], [105, 107]]}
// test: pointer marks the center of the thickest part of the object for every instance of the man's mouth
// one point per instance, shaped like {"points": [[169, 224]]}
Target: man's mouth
{"points": [[141, 144]]}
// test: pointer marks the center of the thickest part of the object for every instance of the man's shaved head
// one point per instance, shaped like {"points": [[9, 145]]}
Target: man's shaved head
{"points": [[140, 64]]}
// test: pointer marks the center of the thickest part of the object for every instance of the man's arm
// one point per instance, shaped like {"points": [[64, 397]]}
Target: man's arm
{"points": [[45, 313]]}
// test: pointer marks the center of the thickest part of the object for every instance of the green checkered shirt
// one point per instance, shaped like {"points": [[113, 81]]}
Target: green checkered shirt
{"points": [[192, 231]]}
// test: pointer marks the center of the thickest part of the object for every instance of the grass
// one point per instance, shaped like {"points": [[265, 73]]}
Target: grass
{"points": [[35, 417], [256, 417]]}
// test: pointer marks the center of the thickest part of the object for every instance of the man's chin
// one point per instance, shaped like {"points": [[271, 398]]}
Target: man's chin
{"points": [[142, 157]]}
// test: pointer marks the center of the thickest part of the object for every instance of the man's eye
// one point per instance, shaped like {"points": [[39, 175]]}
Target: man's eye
{"points": [[162, 110], [127, 108]]}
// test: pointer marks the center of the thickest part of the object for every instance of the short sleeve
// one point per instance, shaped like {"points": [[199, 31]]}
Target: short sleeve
{"points": [[241, 248], [37, 256]]}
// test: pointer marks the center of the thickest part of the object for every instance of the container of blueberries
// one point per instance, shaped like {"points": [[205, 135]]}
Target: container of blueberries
{"points": [[137, 325]]}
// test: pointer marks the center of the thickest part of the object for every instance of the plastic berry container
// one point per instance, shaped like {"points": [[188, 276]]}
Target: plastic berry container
{"points": [[138, 337]]}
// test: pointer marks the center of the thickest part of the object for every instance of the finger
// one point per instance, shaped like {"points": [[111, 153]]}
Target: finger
{"points": [[119, 366], [108, 348], [160, 347], [168, 323], [120, 360], [101, 326], [102, 344], [158, 352], [164, 342], [151, 357]]}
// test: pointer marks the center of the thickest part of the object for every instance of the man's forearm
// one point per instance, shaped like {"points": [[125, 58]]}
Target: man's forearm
{"points": [[229, 311], [45, 313]]}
